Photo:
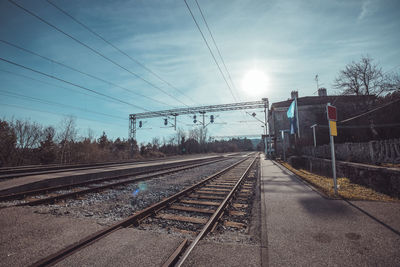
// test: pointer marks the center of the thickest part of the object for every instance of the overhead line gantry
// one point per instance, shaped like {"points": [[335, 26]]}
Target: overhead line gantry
{"points": [[192, 110]]}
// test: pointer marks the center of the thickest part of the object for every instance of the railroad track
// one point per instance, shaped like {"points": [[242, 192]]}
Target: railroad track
{"points": [[16, 172], [53, 194], [202, 205]]}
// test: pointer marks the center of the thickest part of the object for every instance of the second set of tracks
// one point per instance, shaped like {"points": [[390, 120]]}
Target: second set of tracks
{"points": [[50, 195], [198, 208]]}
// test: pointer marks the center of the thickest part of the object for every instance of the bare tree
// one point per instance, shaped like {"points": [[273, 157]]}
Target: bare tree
{"points": [[67, 134], [28, 134], [180, 136], [47, 151], [156, 143], [7, 143], [363, 78]]}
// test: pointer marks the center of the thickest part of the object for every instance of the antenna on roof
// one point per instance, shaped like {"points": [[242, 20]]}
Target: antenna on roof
{"points": [[317, 81]]}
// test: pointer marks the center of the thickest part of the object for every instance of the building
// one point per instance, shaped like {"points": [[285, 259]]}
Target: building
{"points": [[312, 111]]}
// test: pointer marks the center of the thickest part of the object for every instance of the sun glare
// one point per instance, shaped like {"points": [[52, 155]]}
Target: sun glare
{"points": [[255, 83]]}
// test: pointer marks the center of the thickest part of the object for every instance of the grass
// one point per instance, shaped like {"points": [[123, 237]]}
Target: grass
{"points": [[346, 189], [391, 165]]}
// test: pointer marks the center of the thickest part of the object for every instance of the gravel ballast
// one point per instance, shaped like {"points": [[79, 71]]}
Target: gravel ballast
{"points": [[112, 205]]}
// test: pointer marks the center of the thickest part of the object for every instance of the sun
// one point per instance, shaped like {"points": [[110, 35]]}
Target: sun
{"points": [[255, 83]]}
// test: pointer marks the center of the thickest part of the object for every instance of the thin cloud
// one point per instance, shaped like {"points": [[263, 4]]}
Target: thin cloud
{"points": [[367, 9]]}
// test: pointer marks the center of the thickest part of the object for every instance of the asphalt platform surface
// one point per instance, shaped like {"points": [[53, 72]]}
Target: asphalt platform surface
{"points": [[301, 227]]}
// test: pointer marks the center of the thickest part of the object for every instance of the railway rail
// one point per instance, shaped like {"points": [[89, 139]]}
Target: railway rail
{"points": [[202, 204], [16, 172], [53, 194]]}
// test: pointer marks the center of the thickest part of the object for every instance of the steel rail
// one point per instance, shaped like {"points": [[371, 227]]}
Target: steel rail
{"points": [[11, 174], [179, 165], [4, 170], [215, 217], [73, 194], [131, 220]]}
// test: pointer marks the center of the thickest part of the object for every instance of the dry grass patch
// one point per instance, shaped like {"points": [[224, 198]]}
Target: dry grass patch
{"points": [[391, 165], [346, 189]]}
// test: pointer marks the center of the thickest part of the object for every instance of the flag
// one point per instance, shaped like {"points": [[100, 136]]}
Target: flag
{"points": [[292, 109], [292, 116]]}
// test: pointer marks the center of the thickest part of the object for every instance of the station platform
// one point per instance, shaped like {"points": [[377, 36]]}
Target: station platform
{"points": [[301, 227]]}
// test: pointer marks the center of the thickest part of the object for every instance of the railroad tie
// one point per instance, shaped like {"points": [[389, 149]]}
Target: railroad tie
{"points": [[180, 218]]}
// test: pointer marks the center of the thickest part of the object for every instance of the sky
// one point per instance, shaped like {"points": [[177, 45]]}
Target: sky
{"points": [[270, 48]]}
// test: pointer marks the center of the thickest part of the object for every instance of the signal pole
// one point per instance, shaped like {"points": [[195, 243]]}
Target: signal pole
{"points": [[204, 122], [265, 100]]}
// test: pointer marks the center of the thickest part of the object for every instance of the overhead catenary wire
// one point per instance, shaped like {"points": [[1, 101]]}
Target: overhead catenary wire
{"points": [[219, 52], [216, 46], [119, 50], [95, 51], [52, 103], [56, 113], [80, 71], [71, 83], [58, 86], [209, 49], [76, 85]]}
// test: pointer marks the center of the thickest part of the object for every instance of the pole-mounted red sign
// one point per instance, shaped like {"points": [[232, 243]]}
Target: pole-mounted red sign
{"points": [[332, 114]]}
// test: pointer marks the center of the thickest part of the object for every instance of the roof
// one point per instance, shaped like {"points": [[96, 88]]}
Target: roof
{"points": [[318, 100]]}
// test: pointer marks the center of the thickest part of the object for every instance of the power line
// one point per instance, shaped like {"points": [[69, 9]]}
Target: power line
{"points": [[216, 46], [79, 71], [119, 50], [209, 48], [71, 83], [48, 102], [94, 50], [77, 85], [219, 52], [370, 111], [55, 113], [55, 85], [363, 126]]}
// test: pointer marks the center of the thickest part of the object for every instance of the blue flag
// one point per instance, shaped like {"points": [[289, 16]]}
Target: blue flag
{"points": [[291, 114], [292, 109]]}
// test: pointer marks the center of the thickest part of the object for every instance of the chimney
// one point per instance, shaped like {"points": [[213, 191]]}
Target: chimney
{"points": [[322, 92], [294, 94]]}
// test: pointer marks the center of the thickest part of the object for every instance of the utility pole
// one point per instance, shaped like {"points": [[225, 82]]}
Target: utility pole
{"points": [[283, 144], [265, 100], [204, 122], [175, 115]]}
